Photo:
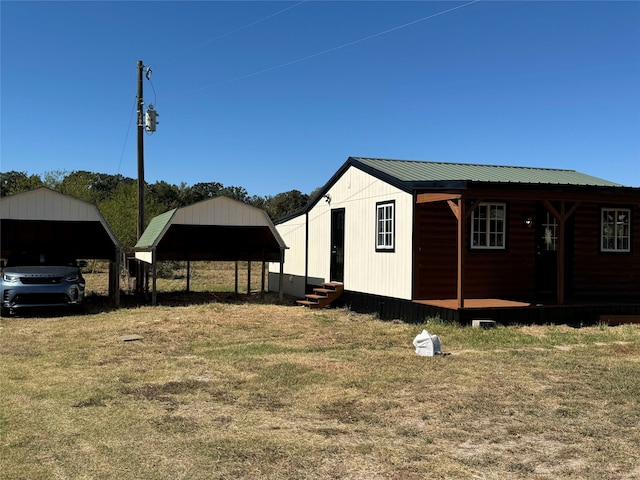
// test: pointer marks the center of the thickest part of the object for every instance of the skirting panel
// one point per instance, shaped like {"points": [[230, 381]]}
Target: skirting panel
{"points": [[386, 308]]}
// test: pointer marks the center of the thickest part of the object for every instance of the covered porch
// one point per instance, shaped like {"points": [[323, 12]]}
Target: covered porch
{"points": [[549, 254]]}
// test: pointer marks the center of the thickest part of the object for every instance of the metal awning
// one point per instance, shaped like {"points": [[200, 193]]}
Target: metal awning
{"points": [[217, 229]]}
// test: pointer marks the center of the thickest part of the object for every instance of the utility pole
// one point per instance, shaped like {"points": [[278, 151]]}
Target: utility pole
{"points": [[140, 101], [140, 152], [146, 121]]}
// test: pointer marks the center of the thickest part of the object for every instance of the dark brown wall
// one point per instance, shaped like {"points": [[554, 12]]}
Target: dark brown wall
{"points": [[597, 273], [435, 251], [511, 273], [505, 273]]}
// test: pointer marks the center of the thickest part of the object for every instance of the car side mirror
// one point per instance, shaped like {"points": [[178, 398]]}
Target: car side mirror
{"points": [[82, 263]]}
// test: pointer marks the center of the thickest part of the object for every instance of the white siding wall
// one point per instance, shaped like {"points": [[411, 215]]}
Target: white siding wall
{"points": [[44, 204], [293, 234], [365, 270], [220, 211]]}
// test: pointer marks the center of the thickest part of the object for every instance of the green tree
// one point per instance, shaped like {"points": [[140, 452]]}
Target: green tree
{"points": [[258, 201], [54, 178], [315, 192], [90, 186], [79, 184], [165, 194], [202, 191], [16, 182], [286, 203], [120, 210], [237, 193]]}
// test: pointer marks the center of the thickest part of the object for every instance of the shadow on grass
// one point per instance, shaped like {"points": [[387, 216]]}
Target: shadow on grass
{"points": [[95, 303], [99, 303]]}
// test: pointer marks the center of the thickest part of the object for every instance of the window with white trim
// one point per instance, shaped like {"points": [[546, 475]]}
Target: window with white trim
{"points": [[385, 226], [488, 226], [615, 230]]}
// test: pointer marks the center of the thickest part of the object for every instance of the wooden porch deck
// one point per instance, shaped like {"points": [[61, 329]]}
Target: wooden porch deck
{"points": [[511, 311], [579, 311], [452, 303]]}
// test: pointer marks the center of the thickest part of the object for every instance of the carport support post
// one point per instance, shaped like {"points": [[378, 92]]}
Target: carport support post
{"points": [[188, 276], [249, 277], [114, 279], [236, 287], [154, 294], [281, 280], [262, 279]]}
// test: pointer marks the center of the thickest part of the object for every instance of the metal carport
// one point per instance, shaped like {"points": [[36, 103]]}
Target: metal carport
{"points": [[43, 219], [217, 229]]}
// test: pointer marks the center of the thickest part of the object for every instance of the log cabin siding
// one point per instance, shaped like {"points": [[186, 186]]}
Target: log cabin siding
{"points": [[599, 273], [435, 249], [511, 273], [507, 273]]}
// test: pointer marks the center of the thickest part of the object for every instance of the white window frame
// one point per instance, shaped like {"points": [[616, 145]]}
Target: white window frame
{"points": [[483, 228], [386, 226], [615, 230]]}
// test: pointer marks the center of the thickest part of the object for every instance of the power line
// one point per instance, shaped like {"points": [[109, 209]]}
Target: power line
{"points": [[329, 50], [133, 109], [236, 30]]}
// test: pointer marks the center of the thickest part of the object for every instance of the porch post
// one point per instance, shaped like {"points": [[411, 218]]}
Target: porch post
{"points": [[562, 216], [461, 237], [458, 211]]}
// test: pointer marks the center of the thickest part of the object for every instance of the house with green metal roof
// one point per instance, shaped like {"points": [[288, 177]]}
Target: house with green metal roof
{"points": [[410, 239]]}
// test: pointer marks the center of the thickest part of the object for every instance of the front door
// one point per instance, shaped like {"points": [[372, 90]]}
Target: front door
{"points": [[337, 245], [546, 255]]}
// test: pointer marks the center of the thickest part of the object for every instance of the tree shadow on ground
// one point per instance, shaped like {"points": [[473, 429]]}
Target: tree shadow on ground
{"points": [[99, 303]]}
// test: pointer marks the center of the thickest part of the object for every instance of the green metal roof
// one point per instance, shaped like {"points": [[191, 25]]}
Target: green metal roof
{"points": [[415, 175], [155, 229], [412, 171], [215, 229]]}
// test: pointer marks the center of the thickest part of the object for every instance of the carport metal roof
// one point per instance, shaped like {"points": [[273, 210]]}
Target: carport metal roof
{"points": [[218, 229], [43, 219]]}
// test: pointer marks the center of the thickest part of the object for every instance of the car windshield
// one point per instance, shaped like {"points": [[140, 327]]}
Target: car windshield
{"points": [[42, 259]]}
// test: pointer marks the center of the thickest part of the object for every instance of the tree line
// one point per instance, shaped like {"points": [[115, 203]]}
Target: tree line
{"points": [[116, 196]]}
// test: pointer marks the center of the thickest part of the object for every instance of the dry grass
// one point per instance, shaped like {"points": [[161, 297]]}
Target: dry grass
{"points": [[206, 277], [225, 390]]}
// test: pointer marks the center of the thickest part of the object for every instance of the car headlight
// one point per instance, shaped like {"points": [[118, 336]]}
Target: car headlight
{"points": [[10, 278]]}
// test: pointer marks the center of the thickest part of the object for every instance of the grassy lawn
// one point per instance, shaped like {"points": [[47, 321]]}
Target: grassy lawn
{"points": [[239, 390]]}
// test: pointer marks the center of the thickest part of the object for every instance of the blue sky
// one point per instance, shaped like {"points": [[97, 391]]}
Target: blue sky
{"points": [[275, 96]]}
